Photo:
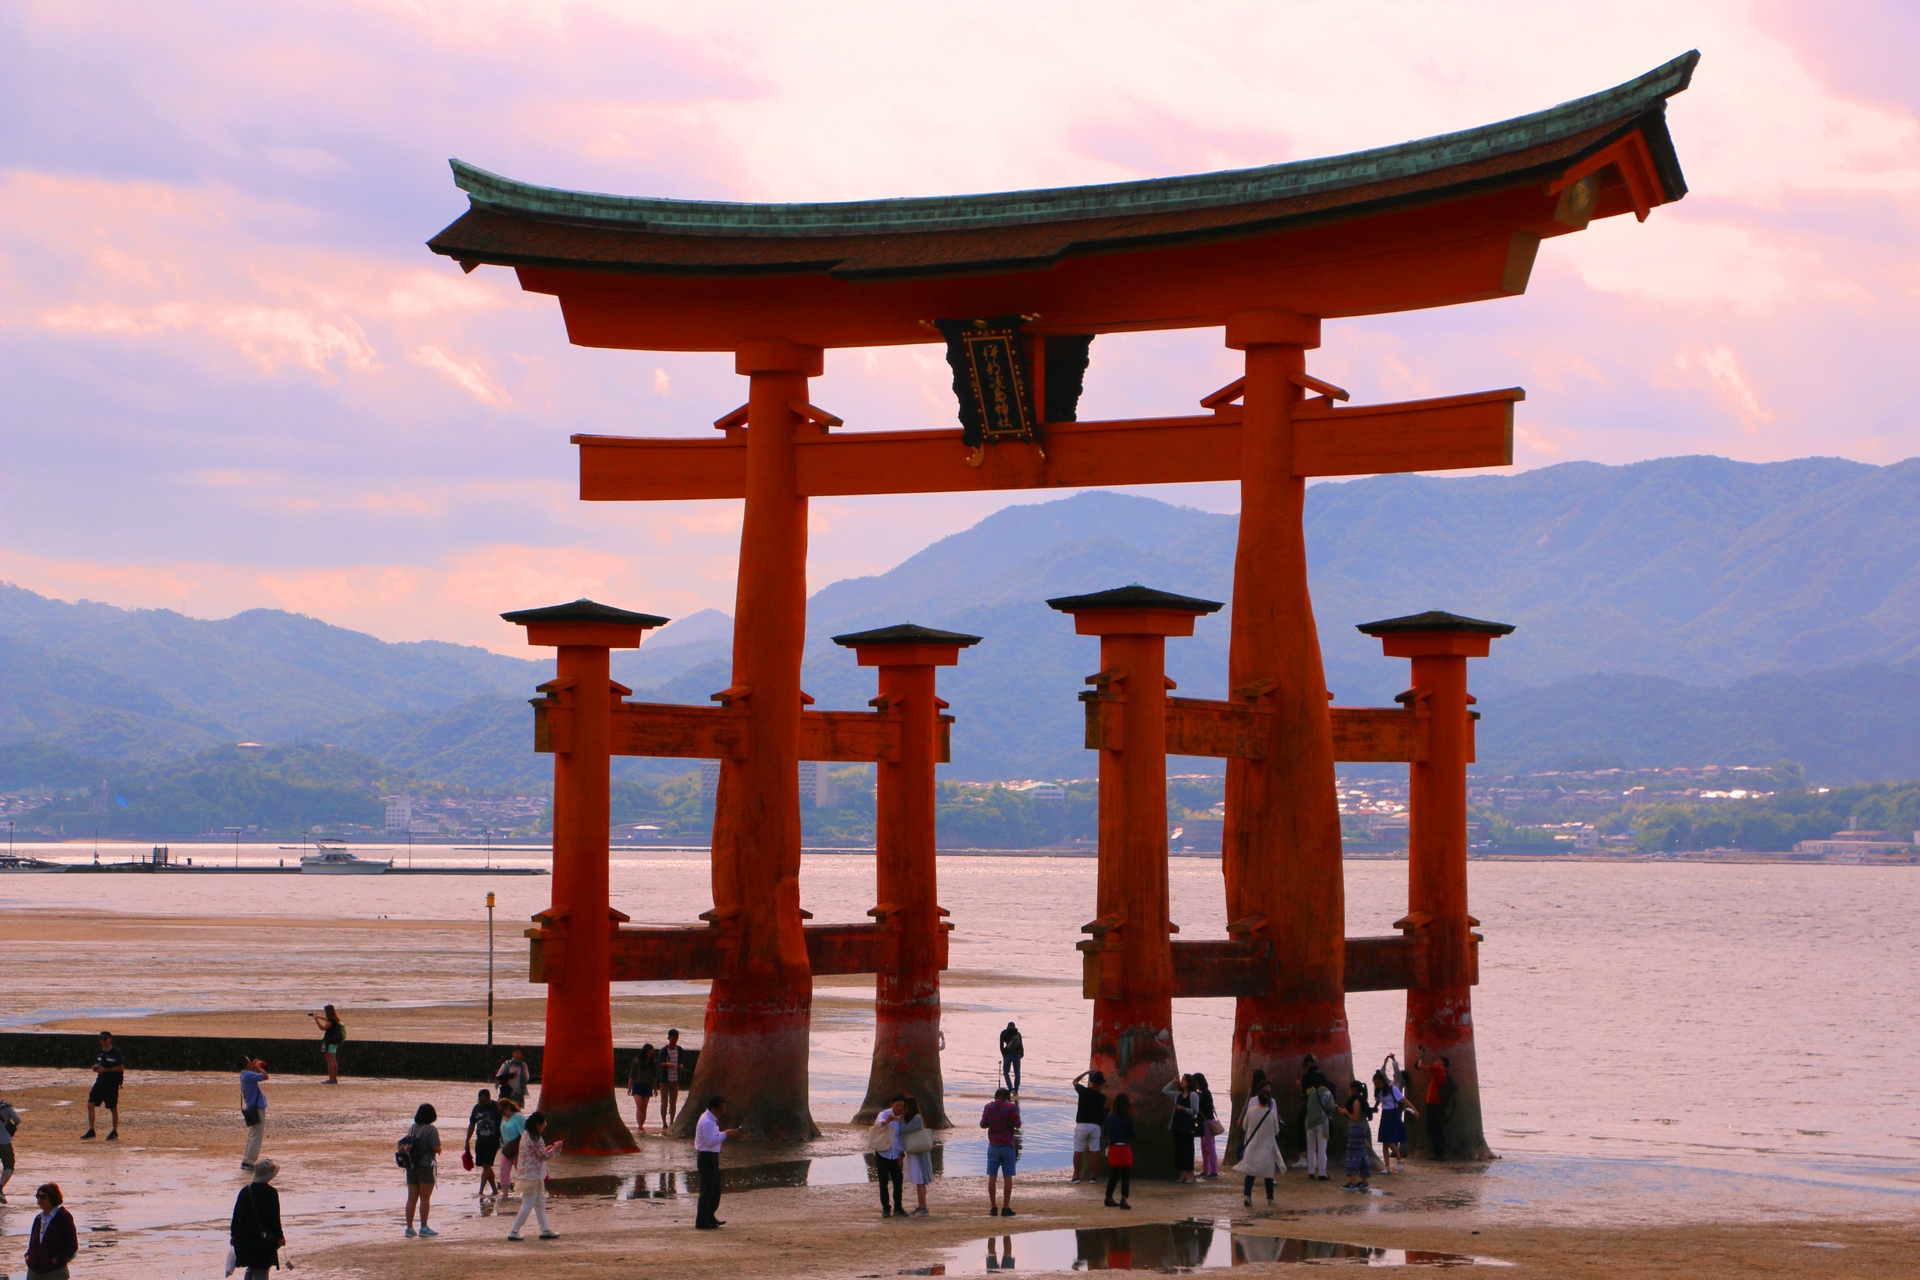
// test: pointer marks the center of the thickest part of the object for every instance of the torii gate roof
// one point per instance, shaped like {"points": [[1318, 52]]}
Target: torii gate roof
{"points": [[1447, 219]]}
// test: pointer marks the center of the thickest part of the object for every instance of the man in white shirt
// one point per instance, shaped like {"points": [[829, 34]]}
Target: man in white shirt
{"points": [[708, 1137]]}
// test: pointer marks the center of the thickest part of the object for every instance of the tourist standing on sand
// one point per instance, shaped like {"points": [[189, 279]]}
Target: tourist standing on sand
{"points": [[1012, 1049], [1436, 1100], [513, 1077], [253, 1108], [917, 1157], [1358, 1111], [9, 1125], [1393, 1119], [670, 1078], [1206, 1120], [1182, 1125], [1001, 1119], [483, 1140], [255, 1232], [1318, 1103], [1260, 1142], [887, 1158], [109, 1072], [535, 1151], [420, 1153], [641, 1079], [513, 1123], [53, 1239], [708, 1138], [1089, 1117], [333, 1033], [1119, 1129]]}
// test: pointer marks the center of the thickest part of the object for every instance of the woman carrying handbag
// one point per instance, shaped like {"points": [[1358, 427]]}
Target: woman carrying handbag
{"points": [[1260, 1143], [1210, 1127], [916, 1144]]}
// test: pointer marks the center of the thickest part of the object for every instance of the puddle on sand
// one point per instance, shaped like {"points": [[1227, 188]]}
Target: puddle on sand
{"points": [[1174, 1247], [827, 1171]]}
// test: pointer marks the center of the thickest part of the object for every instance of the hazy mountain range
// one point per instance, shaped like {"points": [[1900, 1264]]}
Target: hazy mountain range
{"points": [[1675, 611]]}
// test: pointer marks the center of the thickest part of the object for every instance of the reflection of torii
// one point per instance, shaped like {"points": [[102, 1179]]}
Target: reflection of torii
{"points": [[1262, 253]]}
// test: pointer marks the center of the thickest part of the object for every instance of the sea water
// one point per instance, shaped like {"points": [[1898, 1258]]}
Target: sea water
{"points": [[1734, 1015]]}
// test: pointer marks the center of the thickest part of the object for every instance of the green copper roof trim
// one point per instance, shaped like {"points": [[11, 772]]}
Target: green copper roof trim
{"points": [[1647, 93]]}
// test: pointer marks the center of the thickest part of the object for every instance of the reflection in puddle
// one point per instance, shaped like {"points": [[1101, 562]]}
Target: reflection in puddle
{"points": [[827, 1171], [1176, 1247]]}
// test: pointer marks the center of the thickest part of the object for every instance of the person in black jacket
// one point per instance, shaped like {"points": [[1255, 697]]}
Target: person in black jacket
{"points": [[255, 1230], [52, 1240]]}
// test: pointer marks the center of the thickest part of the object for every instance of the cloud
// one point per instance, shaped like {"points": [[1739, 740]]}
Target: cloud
{"points": [[470, 376]]}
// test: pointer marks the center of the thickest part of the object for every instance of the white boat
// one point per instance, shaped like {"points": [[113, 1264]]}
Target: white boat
{"points": [[334, 860]]}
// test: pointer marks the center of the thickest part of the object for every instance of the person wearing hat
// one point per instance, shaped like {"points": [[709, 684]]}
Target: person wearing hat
{"points": [[253, 1107], [255, 1231]]}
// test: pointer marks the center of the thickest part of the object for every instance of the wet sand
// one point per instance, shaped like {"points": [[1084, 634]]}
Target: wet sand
{"points": [[155, 1203]]}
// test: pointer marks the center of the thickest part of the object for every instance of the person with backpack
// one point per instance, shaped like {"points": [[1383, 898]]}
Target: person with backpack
{"points": [[253, 1108], [513, 1077], [1012, 1049], [418, 1152], [9, 1125], [1260, 1142], [535, 1151], [1119, 1129], [255, 1232], [483, 1141], [1318, 1118], [1358, 1163], [1439, 1099]]}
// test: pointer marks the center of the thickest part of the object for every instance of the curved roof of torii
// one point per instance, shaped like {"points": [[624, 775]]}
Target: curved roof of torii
{"points": [[1156, 242]]}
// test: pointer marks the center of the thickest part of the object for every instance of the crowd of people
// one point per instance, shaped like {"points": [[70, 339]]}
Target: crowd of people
{"points": [[506, 1144]]}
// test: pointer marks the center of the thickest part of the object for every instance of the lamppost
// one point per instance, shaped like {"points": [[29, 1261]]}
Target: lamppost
{"points": [[489, 848], [489, 971], [236, 847]]}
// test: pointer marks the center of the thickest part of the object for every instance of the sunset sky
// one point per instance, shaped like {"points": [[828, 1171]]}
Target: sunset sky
{"points": [[232, 376]]}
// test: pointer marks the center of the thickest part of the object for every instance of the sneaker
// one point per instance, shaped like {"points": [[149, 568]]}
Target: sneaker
{"points": [[514, 1236], [245, 1165], [921, 1213], [1246, 1201], [86, 1135], [1006, 1213], [993, 1211], [427, 1231], [1125, 1205], [411, 1233], [885, 1212], [549, 1235], [113, 1136], [1114, 1204]]}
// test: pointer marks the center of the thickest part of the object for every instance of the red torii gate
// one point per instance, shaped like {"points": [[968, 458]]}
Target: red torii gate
{"points": [[1263, 253]]}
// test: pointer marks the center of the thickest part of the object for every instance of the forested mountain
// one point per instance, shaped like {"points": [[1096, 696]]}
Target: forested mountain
{"points": [[1680, 609]]}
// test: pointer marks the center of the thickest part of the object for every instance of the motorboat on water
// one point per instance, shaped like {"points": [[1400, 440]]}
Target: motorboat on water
{"points": [[331, 858], [21, 862]]}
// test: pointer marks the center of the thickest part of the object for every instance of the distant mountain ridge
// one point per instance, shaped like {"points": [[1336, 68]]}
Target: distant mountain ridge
{"points": [[1627, 584]]}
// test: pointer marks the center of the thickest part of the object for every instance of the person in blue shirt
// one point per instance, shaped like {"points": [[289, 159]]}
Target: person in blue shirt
{"points": [[253, 1108]]}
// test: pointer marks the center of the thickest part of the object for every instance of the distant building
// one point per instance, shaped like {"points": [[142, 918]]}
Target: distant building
{"points": [[1854, 846], [400, 814], [816, 784], [1044, 792], [709, 780]]}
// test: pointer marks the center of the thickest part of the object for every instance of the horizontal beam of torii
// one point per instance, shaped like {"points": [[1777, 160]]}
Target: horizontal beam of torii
{"points": [[1449, 433]]}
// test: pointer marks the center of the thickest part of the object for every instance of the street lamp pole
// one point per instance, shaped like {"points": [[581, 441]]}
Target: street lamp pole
{"points": [[489, 971]]}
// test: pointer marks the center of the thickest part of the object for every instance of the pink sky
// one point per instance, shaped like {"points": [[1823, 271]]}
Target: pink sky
{"points": [[231, 376]]}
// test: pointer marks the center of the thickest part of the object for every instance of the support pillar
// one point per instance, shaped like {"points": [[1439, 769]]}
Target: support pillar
{"points": [[1280, 849], [906, 999], [1440, 1014], [1129, 960], [576, 1076], [755, 1049]]}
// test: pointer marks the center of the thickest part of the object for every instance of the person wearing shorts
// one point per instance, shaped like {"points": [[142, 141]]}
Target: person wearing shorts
{"points": [[109, 1070], [1001, 1120], [483, 1140], [423, 1152], [9, 1121], [1088, 1120]]}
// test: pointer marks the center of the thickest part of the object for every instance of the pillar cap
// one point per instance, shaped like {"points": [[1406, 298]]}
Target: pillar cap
{"points": [[585, 610], [906, 633], [1133, 596], [1434, 620], [584, 622]]}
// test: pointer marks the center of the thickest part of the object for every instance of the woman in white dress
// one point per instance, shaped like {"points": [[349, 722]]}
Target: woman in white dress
{"points": [[918, 1164], [1260, 1143]]}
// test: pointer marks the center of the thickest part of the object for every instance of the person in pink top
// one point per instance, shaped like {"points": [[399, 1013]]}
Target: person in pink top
{"points": [[535, 1151]]}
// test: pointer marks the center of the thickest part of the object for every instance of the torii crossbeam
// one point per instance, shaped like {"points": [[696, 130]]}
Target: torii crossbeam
{"points": [[1263, 254]]}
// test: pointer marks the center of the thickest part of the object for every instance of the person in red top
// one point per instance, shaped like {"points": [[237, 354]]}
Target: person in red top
{"points": [[1436, 1069], [1001, 1120]]}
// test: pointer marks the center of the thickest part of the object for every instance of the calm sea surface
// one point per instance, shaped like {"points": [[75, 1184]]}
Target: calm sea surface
{"points": [[1718, 1014]]}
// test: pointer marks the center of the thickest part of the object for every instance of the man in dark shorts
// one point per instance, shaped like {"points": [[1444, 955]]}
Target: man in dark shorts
{"points": [[669, 1076], [109, 1070], [483, 1139]]}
